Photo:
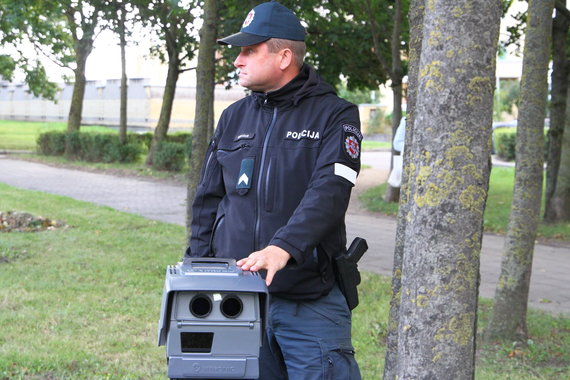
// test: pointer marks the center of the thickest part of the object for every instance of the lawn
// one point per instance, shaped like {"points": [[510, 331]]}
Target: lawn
{"points": [[83, 302], [497, 210]]}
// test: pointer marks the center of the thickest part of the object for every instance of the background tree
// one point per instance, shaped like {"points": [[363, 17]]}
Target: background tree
{"points": [[558, 95], [511, 296], [14, 24], [204, 120], [83, 20], [173, 23], [560, 201], [415, 18], [396, 75], [63, 31], [448, 179], [121, 19], [506, 98]]}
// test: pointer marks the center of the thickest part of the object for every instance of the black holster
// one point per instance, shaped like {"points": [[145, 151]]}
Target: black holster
{"points": [[346, 271]]}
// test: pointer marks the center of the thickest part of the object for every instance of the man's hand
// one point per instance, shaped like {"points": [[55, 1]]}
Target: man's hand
{"points": [[271, 258]]}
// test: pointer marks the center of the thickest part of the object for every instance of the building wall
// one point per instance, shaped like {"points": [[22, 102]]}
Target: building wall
{"points": [[101, 103]]}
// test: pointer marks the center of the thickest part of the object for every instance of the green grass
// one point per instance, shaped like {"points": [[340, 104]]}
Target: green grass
{"points": [[497, 210], [22, 135], [372, 145], [83, 302]]}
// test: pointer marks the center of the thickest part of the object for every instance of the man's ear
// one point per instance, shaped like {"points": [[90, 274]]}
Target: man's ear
{"points": [[286, 59]]}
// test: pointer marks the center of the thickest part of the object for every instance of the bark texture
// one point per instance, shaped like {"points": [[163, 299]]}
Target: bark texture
{"points": [[416, 26], [561, 198], [396, 75], [508, 319], [558, 94], [77, 96], [166, 109], [83, 45], [205, 77], [448, 172]]}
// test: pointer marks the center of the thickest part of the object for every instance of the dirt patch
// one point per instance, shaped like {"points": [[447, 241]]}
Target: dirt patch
{"points": [[13, 221]]}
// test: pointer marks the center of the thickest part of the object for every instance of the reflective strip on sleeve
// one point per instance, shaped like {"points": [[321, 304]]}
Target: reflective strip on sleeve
{"points": [[345, 172]]}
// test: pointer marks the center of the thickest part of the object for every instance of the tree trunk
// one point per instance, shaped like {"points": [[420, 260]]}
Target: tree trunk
{"points": [[205, 81], [561, 198], [124, 88], [392, 194], [559, 94], [166, 109], [508, 319], [416, 26], [448, 182], [76, 107]]}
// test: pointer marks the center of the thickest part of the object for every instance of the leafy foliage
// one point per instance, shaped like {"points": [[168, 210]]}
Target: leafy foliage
{"points": [[339, 38], [90, 147], [170, 156], [173, 23], [506, 97], [16, 21]]}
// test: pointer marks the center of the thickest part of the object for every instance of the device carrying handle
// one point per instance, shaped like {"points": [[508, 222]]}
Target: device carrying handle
{"points": [[209, 262]]}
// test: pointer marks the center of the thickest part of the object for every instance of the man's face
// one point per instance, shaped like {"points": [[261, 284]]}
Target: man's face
{"points": [[258, 68]]}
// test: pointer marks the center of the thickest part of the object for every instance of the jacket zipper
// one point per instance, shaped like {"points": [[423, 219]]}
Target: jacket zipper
{"points": [[260, 181]]}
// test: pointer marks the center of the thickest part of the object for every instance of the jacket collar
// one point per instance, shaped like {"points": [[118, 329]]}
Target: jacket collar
{"points": [[306, 83]]}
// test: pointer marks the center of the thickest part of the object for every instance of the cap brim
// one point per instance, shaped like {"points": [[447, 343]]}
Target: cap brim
{"points": [[242, 39]]}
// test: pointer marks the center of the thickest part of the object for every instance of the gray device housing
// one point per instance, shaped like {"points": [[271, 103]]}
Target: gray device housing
{"points": [[212, 319]]}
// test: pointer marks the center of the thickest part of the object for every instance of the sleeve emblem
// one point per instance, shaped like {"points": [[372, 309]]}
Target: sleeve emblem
{"points": [[351, 141], [351, 147]]}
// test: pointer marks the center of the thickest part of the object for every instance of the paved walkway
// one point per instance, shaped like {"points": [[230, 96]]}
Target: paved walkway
{"points": [[550, 288]]}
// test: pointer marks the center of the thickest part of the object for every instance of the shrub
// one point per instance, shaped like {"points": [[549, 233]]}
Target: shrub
{"points": [[179, 137], [505, 142], [92, 147], [73, 144], [169, 156], [51, 143], [118, 152], [182, 138], [144, 139]]}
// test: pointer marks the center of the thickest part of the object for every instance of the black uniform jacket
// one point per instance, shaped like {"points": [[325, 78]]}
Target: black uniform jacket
{"points": [[279, 171]]}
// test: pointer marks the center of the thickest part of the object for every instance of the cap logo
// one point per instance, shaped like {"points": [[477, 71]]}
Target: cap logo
{"points": [[248, 19]]}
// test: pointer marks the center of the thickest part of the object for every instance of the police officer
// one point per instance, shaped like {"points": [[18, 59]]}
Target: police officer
{"points": [[274, 191]]}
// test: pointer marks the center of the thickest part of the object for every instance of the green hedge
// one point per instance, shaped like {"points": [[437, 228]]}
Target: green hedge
{"points": [[146, 138], [170, 156], [51, 143], [505, 143], [91, 147], [504, 140]]}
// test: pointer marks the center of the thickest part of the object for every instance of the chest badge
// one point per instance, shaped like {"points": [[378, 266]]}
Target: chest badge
{"points": [[245, 175]]}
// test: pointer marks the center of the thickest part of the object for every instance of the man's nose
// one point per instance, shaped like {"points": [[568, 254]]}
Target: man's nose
{"points": [[238, 61]]}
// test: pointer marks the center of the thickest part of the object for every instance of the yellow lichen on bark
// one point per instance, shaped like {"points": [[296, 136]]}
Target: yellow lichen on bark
{"points": [[458, 330], [434, 77], [473, 198], [479, 87]]}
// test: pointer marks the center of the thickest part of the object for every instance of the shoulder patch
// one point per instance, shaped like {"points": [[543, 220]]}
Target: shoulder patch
{"points": [[351, 141]]}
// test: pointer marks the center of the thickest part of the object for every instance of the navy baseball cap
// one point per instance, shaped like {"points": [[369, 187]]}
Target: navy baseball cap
{"points": [[267, 20]]}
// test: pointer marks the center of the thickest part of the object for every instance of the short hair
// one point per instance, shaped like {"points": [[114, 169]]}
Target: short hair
{"points": [[298, 48]]}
